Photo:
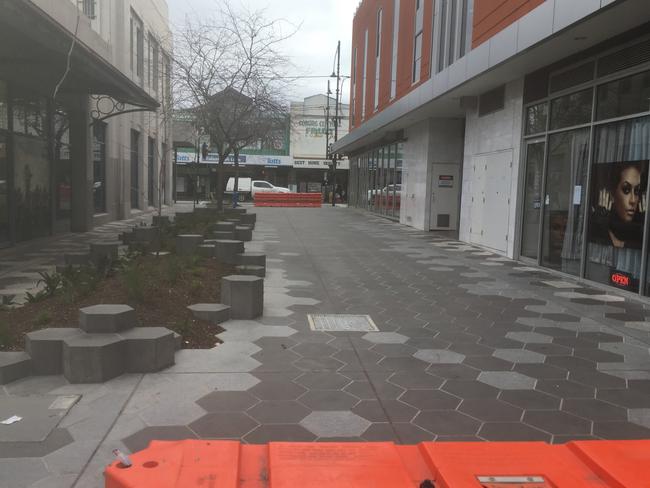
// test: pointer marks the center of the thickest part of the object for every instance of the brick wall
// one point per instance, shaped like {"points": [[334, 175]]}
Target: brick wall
{"points": [[492, 16]]}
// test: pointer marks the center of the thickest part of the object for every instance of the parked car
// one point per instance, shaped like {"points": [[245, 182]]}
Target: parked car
{"points": [[247, 188], [386, 191]]}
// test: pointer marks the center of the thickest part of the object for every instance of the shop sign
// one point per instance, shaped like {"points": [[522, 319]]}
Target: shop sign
{"points": [[310, 163], [445, 181], [186, 157], [620, 279]]}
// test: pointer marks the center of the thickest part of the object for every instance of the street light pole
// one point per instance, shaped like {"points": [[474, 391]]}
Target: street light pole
{"points": [[336, 119]]}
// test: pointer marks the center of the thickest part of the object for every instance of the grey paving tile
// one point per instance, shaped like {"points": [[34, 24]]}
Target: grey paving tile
{"points": [[507, 380], [335, 424]]}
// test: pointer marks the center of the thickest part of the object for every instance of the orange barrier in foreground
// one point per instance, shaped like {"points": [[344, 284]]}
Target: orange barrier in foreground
{"points": [[268, 199], [229, 464]]}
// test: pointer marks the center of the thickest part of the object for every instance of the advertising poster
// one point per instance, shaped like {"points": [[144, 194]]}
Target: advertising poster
{"points": [[618, 203]]}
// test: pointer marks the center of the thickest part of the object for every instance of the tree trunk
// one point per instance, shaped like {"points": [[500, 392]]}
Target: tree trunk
{"points": [[235, 190], [220, 169]]}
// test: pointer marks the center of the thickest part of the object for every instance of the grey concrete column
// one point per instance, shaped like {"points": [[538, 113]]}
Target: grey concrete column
{"points": [[81, 214]]}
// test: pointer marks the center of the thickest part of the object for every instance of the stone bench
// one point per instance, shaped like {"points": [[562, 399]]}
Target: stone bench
{"points": [[206, 250], [223, 234], [93, 358], [215, 313], [227, 250], [148, 349], [224, 226], [45, 347], [244, 294], [14, 366], [187, 244], [251, 269], [104, 251], [243, 233], [248, 218]]}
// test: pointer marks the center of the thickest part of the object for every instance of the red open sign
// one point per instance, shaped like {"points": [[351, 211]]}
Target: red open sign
{"points": [[620, 279]]}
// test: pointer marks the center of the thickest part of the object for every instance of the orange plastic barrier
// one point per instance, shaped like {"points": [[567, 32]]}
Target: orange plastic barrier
{"points": [[267, 199], [229, 464]]}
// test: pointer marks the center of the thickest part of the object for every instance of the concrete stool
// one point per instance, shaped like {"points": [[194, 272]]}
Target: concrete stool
{"points": [[243, 233], [223, 234], [244, 294], [46, 349], [234, 220], [252, 258], [104, 251], [248, 218], [186, 244], [77, 259], [14, 366], [206, 250], [93, 358], [222, 225], [235, 211], [106, 318], [251, 270], [215, 313], [146, 234], [148, 349], [228, 249], [160, 221]]}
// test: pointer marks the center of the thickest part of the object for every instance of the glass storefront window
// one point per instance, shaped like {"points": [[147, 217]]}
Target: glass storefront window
{"points": [[536, 118], [63, 167], [398, 177], [565, 199], [99, 167], [31, 187], [571, 110], [4, 114], [532, 199], [627, 96], [618, 203]]}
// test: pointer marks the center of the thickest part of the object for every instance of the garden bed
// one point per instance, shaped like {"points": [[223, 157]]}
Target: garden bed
{"points": [[159, 288]]}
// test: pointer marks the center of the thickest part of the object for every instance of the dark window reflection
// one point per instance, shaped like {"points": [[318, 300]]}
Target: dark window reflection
{"points": [[570, 110]]}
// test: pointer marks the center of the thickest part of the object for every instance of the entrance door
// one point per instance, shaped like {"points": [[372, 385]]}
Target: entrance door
{"points": [[445, 187], [532, 199], [4, 188]]}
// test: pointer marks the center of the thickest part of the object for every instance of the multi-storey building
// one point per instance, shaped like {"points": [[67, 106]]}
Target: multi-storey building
{"points": [[522, 124], [84, 137]]}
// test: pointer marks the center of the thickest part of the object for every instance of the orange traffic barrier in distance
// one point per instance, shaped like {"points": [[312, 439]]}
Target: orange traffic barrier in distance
{"points": [[268, 199]]}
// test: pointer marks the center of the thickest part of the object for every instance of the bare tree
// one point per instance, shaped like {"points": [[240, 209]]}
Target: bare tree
{"points": [[231, 75]]}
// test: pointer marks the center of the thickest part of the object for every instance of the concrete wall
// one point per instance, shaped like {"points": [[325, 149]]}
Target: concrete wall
{"points": [[492, 142]]}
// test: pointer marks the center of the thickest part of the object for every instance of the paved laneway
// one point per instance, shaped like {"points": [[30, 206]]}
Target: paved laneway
{"points": [[470, 346]]}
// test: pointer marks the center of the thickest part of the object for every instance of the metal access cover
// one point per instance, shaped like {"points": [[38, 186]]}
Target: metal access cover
{"points": [[342, 323], [513, 482]]}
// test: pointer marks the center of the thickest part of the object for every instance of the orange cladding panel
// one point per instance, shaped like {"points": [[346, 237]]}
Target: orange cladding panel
{"points": [[492, 16]]}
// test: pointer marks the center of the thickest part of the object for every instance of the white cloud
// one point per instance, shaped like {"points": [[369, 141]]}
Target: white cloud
{"points": [[322, 23]]}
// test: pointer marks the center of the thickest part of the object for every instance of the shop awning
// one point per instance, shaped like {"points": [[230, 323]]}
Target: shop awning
{"points": [[34, 48]]}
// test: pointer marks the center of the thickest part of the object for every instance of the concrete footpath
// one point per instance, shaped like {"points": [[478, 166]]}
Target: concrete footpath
{"points": [[468, 346]]}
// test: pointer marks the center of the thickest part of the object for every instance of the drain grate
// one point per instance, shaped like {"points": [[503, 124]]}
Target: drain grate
{"points": [[342, 323]]}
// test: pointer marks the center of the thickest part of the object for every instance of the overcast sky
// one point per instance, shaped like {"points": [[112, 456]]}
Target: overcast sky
{"points": [[322, 23]]}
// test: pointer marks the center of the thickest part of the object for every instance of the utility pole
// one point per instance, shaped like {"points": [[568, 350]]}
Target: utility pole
{"points": [[327, 122], [337, 75]]}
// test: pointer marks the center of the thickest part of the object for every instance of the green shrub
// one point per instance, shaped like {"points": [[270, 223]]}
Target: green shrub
{"points": [[133, 278], [51, 282], [35, 297], [5, 336], [43, 319]]}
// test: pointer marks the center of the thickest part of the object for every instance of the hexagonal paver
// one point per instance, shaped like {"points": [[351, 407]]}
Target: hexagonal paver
{"points": [[314, 350], [223, 425], [335, 424], [470, 389], [507, 380], [416, 379], [323, 381], [227, 401], [490, 410], [592, 409], [328, 400], [279, 412], [530, 399], [512, 431], [519, 356], [529, 337], [557, 422], [141, 439], [385, 338], [276, 387], [439, 356], [430, 400], [447, 422], [279, 433]]}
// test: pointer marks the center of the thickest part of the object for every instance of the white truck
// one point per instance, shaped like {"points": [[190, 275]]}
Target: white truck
{"points": [[248, 187]]}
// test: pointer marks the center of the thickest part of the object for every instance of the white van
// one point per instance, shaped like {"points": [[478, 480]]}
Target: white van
{"points": [[248, 187]]}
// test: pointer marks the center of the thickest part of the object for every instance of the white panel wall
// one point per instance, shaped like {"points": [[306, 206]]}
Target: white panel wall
{"points": [[490, 141]]}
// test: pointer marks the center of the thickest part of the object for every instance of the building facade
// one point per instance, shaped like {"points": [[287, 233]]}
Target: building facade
{"points": [[84, 138], [522, 125]]}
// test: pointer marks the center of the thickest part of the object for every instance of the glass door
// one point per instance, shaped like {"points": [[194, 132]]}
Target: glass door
{"points": [[532, 199]]}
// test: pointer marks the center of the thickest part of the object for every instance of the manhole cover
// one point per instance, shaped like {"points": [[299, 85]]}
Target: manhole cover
{"points": [[342, 323]]}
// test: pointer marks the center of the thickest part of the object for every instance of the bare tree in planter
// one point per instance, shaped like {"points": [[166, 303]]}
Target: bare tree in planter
{"points": [[231, 76]]}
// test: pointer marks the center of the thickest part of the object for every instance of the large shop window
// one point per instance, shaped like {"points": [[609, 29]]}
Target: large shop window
{"points": [[566, 181], [62, 168], [99, 167], [628, 96], [135, 169], [618, 203], [571, 110], [532, 199]]}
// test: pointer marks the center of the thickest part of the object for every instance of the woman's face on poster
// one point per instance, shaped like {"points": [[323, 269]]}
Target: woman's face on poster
{"points": [[627, 194]]}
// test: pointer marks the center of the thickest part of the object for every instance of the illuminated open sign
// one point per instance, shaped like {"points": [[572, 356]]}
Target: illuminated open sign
{"points": [[620, 279]]}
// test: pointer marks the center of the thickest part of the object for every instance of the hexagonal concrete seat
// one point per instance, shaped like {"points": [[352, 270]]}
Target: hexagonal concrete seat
{"points": [[187, 244], [106, 318], [248, 218], [148, 349], [160, 221], [244, 294], [223, 226], [251, 270], [146, 233], [243, 233], [215, 313], [76, 258], [14, 366], [45, 347], [93, 358], [252, 258], [104, 250], [228, 249], [223, 234], [206, 250]]}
